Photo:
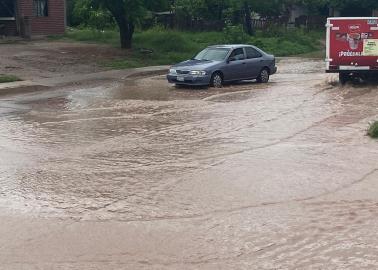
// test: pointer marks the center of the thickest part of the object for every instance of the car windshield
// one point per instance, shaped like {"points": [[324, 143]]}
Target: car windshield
{"points": [[212, 54]]}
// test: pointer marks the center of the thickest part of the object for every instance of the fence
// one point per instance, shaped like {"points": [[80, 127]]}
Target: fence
{"points": [[187, 23]]}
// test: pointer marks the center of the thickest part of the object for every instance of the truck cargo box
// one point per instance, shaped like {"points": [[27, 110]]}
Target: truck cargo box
{"points": [[352, 47]]}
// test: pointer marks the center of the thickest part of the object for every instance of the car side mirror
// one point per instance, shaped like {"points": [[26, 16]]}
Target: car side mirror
{"points": [[230, 59]]}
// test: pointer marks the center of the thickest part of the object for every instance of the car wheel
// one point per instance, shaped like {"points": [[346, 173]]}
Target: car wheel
{"points": [[264, 76], [344, 78], [216, 80]]}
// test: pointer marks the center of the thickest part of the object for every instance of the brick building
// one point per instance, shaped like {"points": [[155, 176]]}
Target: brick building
{"points": [[39, 17]]}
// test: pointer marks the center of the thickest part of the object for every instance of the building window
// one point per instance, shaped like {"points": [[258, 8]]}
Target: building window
{"points": [[6, 8], [41, 8]]}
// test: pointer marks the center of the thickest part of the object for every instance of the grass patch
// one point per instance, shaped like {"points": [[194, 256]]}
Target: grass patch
{"points": [[373, 130], [8, 78], [171, 46], [90, 36]]}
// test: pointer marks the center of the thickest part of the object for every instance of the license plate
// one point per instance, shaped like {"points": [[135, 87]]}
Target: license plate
{"points": [[180, 78]]}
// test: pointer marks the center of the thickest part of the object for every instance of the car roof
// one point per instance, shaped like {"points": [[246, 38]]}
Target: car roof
{"points": [[231, 46]]}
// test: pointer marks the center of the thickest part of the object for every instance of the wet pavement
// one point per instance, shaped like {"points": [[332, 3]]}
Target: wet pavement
{"points": [[142, 175]]}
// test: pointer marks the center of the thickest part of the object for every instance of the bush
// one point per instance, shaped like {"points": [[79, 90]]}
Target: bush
{"points": [[163, 40], [82, 12], [285, 42], [93, 35], [373, 130], [234, 34], [8, 78]]}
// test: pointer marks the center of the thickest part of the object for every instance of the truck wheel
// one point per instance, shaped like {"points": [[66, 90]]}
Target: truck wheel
{"points": [[344, 78], [264, 76]]}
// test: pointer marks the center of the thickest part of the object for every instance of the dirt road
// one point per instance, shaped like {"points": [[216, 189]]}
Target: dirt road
{"points": [[140, 175], [55, 59]]}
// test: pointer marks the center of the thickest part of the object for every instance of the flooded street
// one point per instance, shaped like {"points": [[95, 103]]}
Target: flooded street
{"points": [[142, 175]]}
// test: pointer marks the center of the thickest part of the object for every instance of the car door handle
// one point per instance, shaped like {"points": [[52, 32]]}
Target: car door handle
{"points": [[244, 63]]}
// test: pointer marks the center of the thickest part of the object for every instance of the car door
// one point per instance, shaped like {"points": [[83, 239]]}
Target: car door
{"points": [[254, 62], [235, 69]]}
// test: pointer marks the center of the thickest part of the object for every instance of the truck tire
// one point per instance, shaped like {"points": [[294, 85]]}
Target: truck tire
{"points": [[344, 78]]}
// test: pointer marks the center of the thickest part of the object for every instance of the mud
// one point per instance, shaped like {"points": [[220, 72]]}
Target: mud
{"points": [[55, 59], [143, 175]]}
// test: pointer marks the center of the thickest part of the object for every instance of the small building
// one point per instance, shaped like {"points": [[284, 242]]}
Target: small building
{"points": [[32, 17]]}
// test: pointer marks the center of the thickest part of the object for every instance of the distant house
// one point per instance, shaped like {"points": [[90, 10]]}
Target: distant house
{"points": [[296, 12], [32, 17], [300, 16], [352, 11]]}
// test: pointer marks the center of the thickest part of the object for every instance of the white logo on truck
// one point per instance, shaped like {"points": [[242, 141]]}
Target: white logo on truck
{"points": [[349, 54]]}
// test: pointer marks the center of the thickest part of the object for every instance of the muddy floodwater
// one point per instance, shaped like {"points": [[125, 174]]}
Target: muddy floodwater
{"points": [[139, 174]]}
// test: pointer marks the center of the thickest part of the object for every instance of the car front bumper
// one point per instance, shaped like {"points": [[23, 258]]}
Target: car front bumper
{"points": [[273, 70], [189, 79]]}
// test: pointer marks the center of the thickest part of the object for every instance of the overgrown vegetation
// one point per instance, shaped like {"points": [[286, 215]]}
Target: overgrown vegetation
{"points": [[8, 78], [373, 130], [159, 46], [128, 15]]}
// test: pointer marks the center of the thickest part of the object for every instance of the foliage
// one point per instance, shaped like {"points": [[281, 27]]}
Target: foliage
{"points": [[373, 130], [91, 35], [91, 16], [8, 78], [129, 14], [235, 34], [345, 3], [164, 40], [207, 9], [169, 46]]}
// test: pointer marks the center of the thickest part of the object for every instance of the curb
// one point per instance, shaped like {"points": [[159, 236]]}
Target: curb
{"points": [[22, 89]]}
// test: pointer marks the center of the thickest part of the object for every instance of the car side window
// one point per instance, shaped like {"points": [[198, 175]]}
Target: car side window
{"points": [[252, 53], [238, 54]]}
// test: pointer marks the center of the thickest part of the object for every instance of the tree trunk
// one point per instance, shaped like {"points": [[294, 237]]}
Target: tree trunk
{"points": [[126, 32], [125, 25], [248, 19]]}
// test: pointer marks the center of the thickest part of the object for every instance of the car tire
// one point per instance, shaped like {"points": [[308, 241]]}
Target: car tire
{"points": [[263, 76], [344, 78], [216, 80]]}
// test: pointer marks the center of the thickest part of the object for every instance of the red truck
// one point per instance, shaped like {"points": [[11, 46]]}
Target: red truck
{"points": [[352, 48]]}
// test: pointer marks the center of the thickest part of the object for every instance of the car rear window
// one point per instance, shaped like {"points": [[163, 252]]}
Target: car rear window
{"points": [[252, 53]]}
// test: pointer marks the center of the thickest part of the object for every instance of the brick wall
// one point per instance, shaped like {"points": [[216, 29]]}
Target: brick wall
{"points": [[53, 24], [10, 28]]}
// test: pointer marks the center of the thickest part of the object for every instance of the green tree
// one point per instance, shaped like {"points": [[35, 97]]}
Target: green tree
{"points": [[127, 14], [345, 3], [206, 9], [86, 14]]}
